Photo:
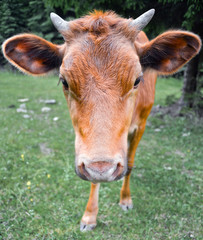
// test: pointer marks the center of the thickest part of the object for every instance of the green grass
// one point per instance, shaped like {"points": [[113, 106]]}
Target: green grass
{"points": [[166, 183], [168, 90]]}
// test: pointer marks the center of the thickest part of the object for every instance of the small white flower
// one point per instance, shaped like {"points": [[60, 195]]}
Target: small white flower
{"points": [[167, 168], [186, 134], [55, 119]]}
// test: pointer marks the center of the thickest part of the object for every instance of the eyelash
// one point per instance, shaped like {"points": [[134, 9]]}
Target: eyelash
{"points": [[65, 84], [137, 81]]}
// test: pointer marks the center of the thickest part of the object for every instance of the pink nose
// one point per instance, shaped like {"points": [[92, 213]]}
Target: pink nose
{"points": [[100, 167], [101, 171]]}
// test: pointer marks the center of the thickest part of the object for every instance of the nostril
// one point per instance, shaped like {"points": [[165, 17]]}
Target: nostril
{"points": [[118, 172], [83, 165], [83, 172]]}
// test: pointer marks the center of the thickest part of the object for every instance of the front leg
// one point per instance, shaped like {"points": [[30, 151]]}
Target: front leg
{"points": [[125, 197], [89, 221]]}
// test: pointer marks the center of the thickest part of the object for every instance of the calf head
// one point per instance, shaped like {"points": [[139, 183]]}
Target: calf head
{"points": [[101, 64]]}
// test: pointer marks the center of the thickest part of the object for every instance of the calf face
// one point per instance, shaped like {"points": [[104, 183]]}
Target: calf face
{"points": [[101, 66], [101, 75]]}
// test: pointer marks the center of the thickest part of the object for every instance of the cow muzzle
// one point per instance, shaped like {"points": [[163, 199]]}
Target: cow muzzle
{"points": [[101, 171]]}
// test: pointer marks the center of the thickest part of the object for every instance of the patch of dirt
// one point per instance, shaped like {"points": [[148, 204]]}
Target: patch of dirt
{"points": [[179, 153], [173, 110], [45, 149], [177, 110]]}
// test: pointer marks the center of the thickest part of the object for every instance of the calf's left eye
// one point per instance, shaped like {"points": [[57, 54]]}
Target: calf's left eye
{"points": [[137, 81]]}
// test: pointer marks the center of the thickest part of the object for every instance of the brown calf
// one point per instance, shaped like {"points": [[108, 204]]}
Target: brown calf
{"points": [[108, 69]]}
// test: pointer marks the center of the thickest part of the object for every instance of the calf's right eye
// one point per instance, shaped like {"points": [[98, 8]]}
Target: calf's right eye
{"points": [[65, 84]]}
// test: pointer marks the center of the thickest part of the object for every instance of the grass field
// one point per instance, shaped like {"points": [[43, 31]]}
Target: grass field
{"points": [[42, 198]]}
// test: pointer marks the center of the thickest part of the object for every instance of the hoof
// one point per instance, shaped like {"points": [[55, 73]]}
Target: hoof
{"points": [[86, 227], [126, 207]]}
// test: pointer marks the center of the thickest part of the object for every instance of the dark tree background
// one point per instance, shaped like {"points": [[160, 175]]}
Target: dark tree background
{"points": [[17, 16]]}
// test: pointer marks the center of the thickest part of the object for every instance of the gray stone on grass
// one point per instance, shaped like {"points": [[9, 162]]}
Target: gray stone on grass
{"points": [[50, 101], [46, 109], [26, 116], [22, 108], [22, 100], [19, 110]]}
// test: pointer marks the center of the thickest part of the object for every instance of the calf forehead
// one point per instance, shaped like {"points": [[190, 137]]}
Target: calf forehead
{"points": [[107, 49], [100, 54]]}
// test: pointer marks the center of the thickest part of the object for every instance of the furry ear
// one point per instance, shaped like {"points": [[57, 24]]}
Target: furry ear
{"points": [[169, 51], [32, 54]]}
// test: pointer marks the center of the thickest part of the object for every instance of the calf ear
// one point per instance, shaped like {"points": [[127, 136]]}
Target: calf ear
{"points": [[32, 54], [169, 51]]}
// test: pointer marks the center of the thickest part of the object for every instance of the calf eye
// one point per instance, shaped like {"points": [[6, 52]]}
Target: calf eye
{"points": [[65, 84], [137, 81]]}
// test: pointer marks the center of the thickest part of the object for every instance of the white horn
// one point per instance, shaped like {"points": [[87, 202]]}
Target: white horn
{"points": [[60, 24], [142, 21]]}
